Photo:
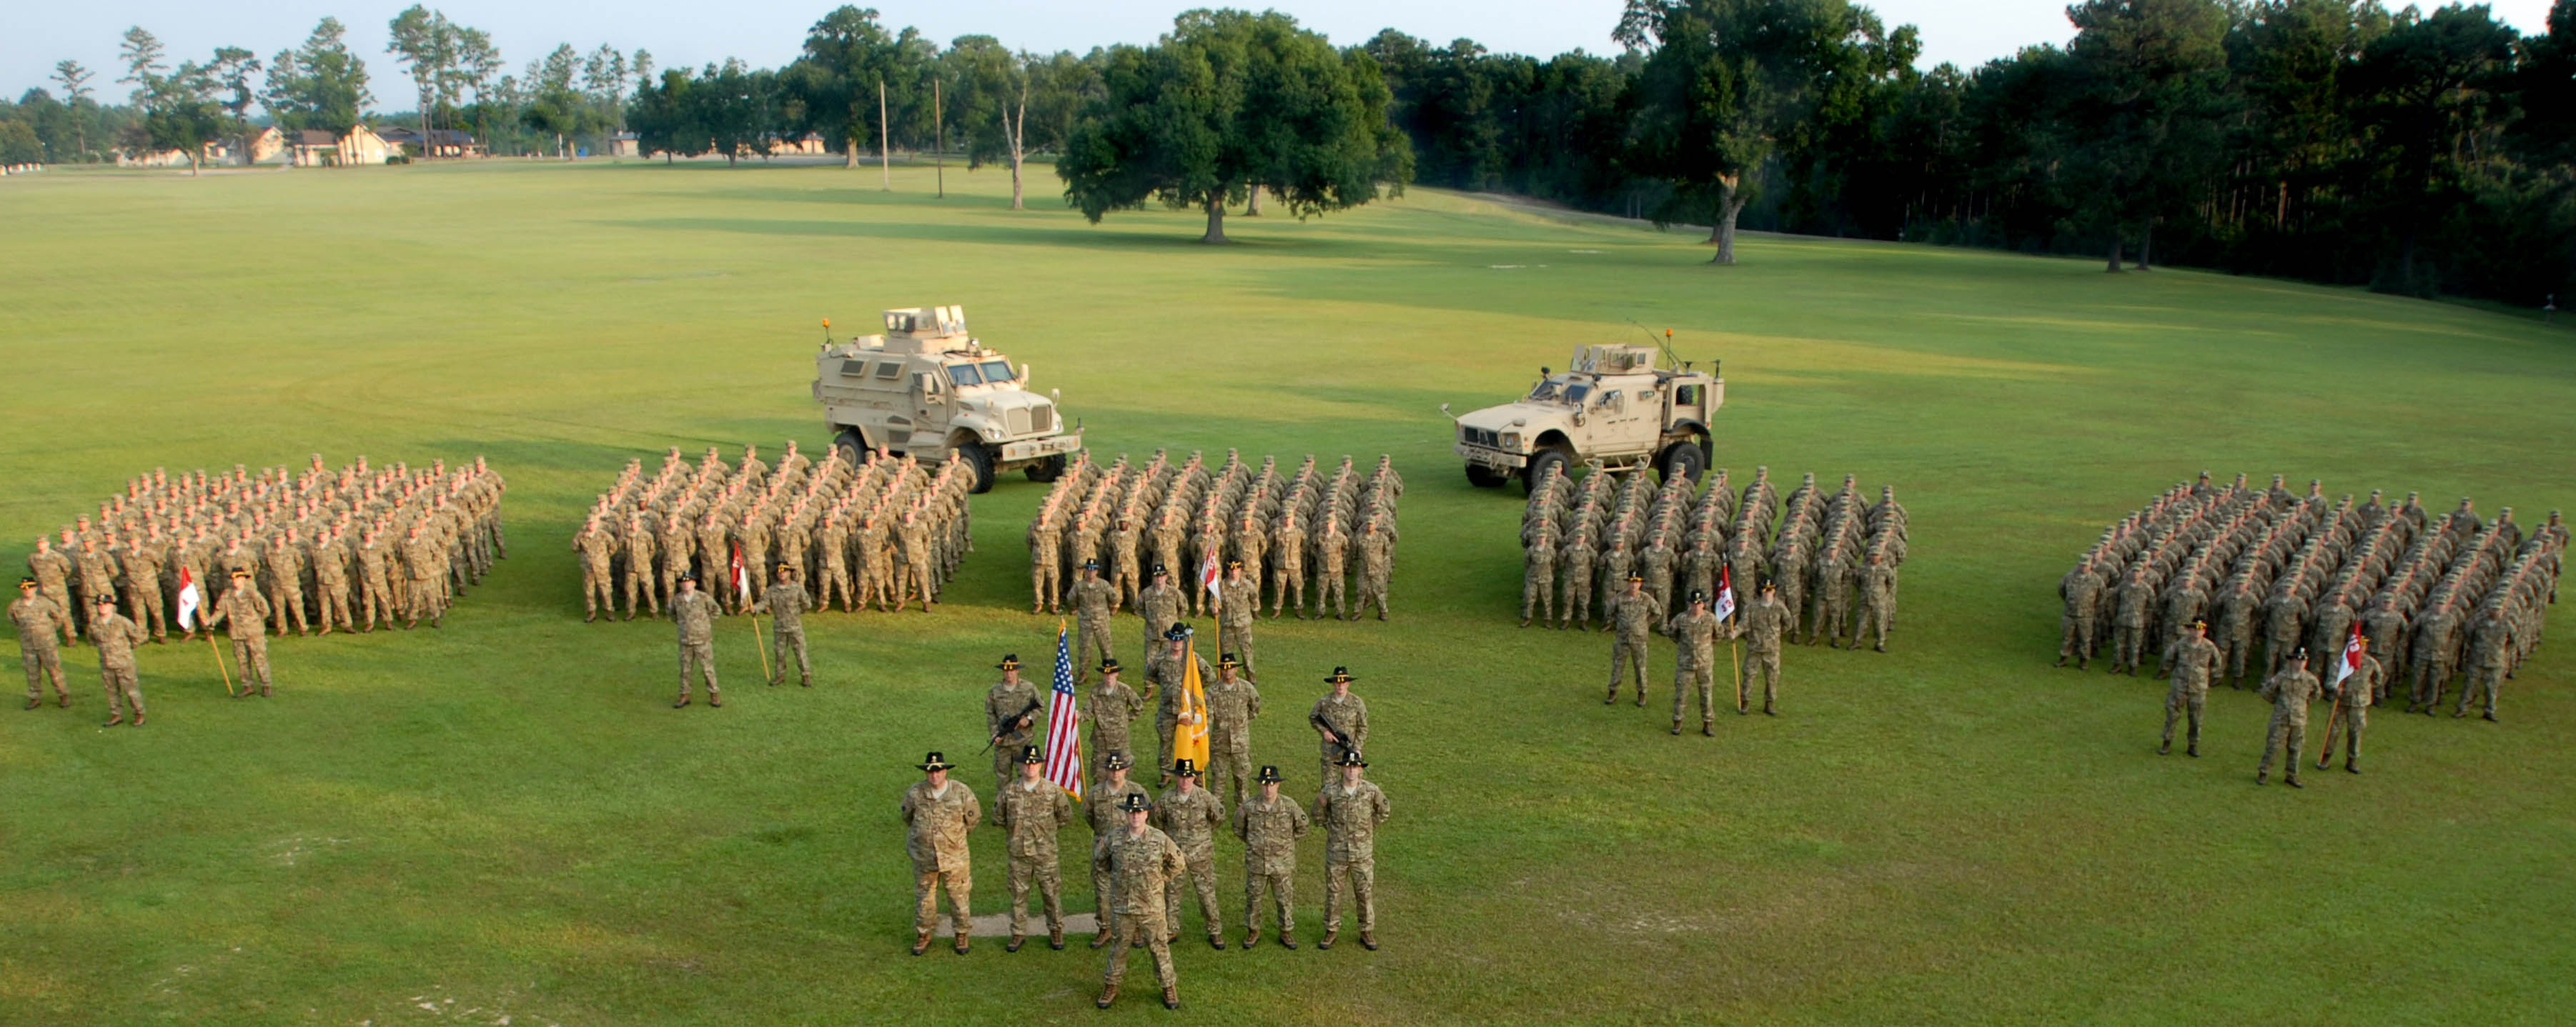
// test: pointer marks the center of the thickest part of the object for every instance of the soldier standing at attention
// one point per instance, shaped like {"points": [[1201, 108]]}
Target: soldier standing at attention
{"points": [[2082, 590], [1288, 566], [331, 580], [1160, 603], [142, 565], [116, 637], [2290, 690], [378, 598], [1009, 721], [1112, 709], [2129, 622], [1232, 703], [1695, 631], [40, 624], [1192, 815], [420, 559], [1538, 575], [1141, 863], [2490, 656], [786, 602], [1032, 810], [939, 812], [1163, 680], [1270, 827], [1046, 562], [1102, 806], [694, 613], [2194, 659], [97, 571], [1238, 601], [639, 568], [1765, 627], [1877, 601], [1094, 601], [598, 551], [248, 612], [1341, 723], [286, 583], [52, 575], [1350, 810], [1377, 564], [1574, 560], [1631, 616], [2359, 692]]}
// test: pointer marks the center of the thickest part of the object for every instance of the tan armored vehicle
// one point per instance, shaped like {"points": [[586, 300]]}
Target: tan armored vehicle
{"points": [[927, 388], [1613, 405]]}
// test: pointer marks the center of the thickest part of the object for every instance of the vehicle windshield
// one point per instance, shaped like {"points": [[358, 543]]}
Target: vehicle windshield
{"points": [[996, 371], [1545, 391], [965, 374], [1576, 391]]}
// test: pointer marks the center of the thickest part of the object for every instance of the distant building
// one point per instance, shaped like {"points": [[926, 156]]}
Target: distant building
{"points": [[313, 147], [441, 142], [625, 144]]}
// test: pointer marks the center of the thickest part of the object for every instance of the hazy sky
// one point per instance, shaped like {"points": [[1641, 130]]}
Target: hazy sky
{"points": [[767, 32]]}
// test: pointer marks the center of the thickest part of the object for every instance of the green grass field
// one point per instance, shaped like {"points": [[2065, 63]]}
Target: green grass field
{"points": [[506, 818]]}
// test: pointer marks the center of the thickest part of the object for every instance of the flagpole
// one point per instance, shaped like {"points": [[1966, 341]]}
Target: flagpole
{"points": [[761, 644], [218, 652]]}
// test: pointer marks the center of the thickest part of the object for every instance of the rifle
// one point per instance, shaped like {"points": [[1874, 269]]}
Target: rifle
{"points": [[1317, 719], [1009, 725]]}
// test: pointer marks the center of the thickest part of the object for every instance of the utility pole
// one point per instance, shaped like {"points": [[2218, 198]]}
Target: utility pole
{"points": [[938, 137], [885, 163]]}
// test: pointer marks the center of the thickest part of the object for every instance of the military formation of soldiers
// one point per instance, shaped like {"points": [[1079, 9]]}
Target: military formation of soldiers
{"points": [[880, 533], [1831, 559], [1316, 541], [1149, 853], [310, 550], [2205, 573]]}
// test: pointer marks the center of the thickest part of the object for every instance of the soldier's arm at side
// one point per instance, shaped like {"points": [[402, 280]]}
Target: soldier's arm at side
{"points": [[1252, 705], [974, 808], [1378, 806], [1297, 821], [1242, 824], [1100, 854], [1063, 809]]}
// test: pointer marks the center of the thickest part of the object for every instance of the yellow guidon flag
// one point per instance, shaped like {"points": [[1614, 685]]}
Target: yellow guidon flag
{"points": [[1190, 737]]}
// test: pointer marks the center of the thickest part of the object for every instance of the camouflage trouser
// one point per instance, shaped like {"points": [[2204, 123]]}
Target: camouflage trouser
{"points": [[1577, 598], [1283, 893], [335, 607], [1538, 592], [376, 602], [2180, 702], [1793, 597], [2232, 654], [1230, 765], [424, 601], [2355, 719], [1164, 725], [1046, 583], [1685, 677], [915, 579], [1200, 876], [251, 655], [123, 689], [1094, 632], [925, 901], [2481, 687], [1627, 659], [2283, 729], [1102, 901], [1152, 931], [2277, 649], [782, 642], [1762, 664], [1237, 639], [1875, 616], [1330, 594], [1288, 587], [2075, 638], [1372, 593], [2431, 673], [1050, 881], [2126, 641], [674, 565], [144, 602], [41, 657], [1833, 619], [61, 594], [701, 658], [639, 591], [290, 608], [836, 583], [1359, 877]]}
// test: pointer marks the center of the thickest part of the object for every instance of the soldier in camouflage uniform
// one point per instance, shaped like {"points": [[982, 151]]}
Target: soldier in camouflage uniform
{"points": [[692, 611], [1192, 815], [1094, 602], [1350, 810], [331, 580], [248, 612], [142, 566], [1631, 615], [1102, 805], [1341, 724], [1032, 809], [1877, 601], [2082, 591], [40, 626], [1232, 703], [639, 569], [2490, 656], [2194, 660], [939, 813], [1238, 602], [2352, 706], [1765, 627], [1538, 574], [116, 638], [1141, 863], [1011, 714], [2289, 690], [1164, 680], [1269, 827], [1112, 709], [52, 574], [1160, 605], [1695, 632], [785, 602]]}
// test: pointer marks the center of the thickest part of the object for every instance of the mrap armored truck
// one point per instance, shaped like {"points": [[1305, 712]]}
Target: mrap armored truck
{"points": [[1612, 405], [929, 389]]}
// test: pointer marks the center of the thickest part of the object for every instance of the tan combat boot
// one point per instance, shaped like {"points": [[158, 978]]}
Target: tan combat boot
{"points": [[1108, 997], [1171, 998], [921, 943]]}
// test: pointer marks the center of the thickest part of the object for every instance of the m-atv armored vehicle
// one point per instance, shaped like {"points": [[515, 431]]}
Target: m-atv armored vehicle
{"points": [[1612, 405], [929, 389]]}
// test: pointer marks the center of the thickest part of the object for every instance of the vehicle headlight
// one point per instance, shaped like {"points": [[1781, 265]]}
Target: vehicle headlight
{"points": [[1511, 440]]}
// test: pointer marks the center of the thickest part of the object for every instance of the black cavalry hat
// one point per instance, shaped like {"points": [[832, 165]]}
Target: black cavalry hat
{"points": [[1178, 632], [1117, 761], [1350, 758], [1698, 596], [1109, 665], [1032, 754], [1009, 662], [1185, 767], [1340, 675], [1269, 774], [1228, 660], [1135, 802], [935, 761]]}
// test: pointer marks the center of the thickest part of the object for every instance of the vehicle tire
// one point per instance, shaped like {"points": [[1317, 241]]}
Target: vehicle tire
{"points": [[1683, 460], [980, 460], [1484, 477], [853, 448], [1046, 470], [1538, 465]]}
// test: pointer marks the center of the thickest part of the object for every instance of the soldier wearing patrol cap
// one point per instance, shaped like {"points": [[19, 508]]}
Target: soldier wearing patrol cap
{"points": [[1102, 806], [940, 812], [1350, 810], [1140, 862], [1270, 827], [1764, 623], [1695, 632], [1032, 809], [1238, 600], [1112, 708], [1010, 718], [1094, 601], [41, 624], [1160, 604], [1192, 815], [786, 602], [1631, 616], [2194, 659], [693, 612], [247, 610], [116, 637]]}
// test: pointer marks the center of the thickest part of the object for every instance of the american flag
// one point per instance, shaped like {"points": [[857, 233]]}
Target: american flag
{"points": [[1063, 740]]}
